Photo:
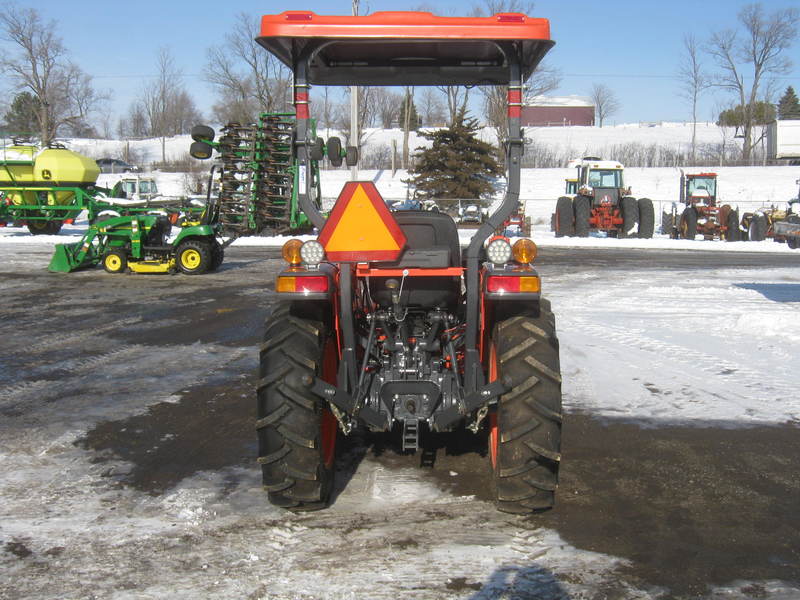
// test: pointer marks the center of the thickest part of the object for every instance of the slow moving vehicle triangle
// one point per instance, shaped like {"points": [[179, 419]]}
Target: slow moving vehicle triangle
{"points": [[360, 227]]}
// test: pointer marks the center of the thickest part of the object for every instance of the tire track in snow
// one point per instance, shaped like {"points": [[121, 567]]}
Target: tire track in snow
{"points": [[76, 337], [748, 385]]}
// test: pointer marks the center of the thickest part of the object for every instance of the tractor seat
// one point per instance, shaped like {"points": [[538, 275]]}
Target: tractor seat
{"points": [[159, 232], [432, 240], [431, 243]]}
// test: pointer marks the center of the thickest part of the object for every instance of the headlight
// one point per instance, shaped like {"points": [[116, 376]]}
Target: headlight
{"points": [[312, 253], [499, 251]]}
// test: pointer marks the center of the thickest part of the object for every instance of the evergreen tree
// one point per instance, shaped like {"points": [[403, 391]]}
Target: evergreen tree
{"points": [[788, 105], [21, 117], [762, 113], [414, 119], [457, 165]]}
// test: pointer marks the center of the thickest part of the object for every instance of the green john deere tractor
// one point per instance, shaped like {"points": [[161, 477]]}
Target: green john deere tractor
{"points": [[140, 243]]}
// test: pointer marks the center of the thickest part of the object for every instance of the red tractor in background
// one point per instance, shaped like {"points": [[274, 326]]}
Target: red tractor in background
{"points": [[599, 201], [383, 322], [702, 213]]}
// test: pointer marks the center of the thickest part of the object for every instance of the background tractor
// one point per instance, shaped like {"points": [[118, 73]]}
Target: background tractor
{"points": [[140, 243], [601, 202], [701, 213], [383, 322], [780, 224]]}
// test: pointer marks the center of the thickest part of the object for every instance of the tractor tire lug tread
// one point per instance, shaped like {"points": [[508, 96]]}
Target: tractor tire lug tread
{"points": [[529, 415], [289, 414]]}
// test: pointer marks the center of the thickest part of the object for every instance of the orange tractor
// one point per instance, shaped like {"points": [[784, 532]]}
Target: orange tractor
{"points": [[384, 322], [702, 213]]}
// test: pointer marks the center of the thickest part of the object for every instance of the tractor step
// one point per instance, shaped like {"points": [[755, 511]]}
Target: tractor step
{"points": [[411, 434]]}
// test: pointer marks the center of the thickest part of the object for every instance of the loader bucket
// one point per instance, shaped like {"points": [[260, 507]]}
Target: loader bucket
{"points": [[66, 258]]}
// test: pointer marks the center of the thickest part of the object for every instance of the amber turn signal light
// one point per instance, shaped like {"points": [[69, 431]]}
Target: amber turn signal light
{"points": [[291, 252], [524, 251]]}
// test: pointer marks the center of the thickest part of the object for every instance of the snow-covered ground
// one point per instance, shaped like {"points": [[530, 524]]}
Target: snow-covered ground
{"points": [[659, 347]]}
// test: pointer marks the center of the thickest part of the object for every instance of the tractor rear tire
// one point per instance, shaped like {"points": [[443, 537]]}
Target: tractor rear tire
{"points": [[792, 243], [668, 225], [757, 230], [564, 218], [217, 256], [351, 156], [630, 216], [733, 233], [688, 223], [193, 257], [525, 432], [583, 211], [296, 431], [647, 218], [115, 261], [44, 227]]}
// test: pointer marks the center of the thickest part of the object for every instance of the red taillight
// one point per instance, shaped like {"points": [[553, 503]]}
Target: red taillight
{"points": [[500, 284], [312, 284], [305, 284]]}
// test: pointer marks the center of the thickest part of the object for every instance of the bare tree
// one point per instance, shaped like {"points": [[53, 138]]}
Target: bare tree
{"points": [[408, 102], [431, 107], [457, 99], [387, 106], [248, 79], [495, 99], [605, 102], [40, 65], [759, 48], [167, 106], [164, 107], [135, 124], [366, 114], [693, 82]]}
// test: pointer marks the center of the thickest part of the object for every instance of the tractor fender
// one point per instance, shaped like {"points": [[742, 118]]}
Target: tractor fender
{"points": [[195, 231], [504, 305], [324, 297]]}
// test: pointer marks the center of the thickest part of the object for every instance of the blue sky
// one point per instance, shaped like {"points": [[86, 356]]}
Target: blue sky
{"points": [[632, 46]]}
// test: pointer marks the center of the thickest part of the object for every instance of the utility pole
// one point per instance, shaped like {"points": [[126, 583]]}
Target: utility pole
{"points": [[354, 113]]}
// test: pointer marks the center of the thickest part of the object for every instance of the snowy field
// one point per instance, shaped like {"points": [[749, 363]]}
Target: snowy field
{"points": [[747, 187]]}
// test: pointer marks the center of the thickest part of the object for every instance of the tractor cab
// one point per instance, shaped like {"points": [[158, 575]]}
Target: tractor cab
{"points": [[570, 186], [602, 180], [700, 188], [384, 321]]}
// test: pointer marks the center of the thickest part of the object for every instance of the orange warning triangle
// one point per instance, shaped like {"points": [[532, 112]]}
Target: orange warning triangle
{"points": [[360, 227]]}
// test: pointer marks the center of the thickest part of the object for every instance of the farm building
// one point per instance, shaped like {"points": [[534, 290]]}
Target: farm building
{"points": [[558, 111]]}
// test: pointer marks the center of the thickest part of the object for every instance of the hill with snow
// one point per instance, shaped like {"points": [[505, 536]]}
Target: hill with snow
{"points": [[745, 187]]}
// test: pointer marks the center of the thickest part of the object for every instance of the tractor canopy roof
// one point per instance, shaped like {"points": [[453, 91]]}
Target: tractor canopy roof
{"points": [[406, 48]]}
